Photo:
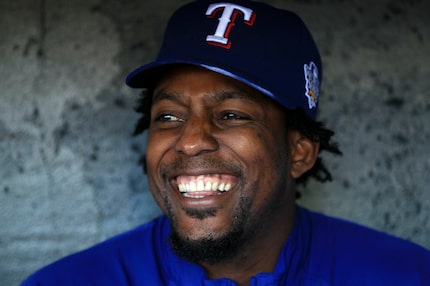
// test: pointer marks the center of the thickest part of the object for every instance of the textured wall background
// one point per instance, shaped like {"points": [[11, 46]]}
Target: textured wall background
{"points": [[68, 163]]}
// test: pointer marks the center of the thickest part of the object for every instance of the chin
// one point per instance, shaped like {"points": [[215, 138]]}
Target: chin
{"points": [[208, 248], [208, 238]]}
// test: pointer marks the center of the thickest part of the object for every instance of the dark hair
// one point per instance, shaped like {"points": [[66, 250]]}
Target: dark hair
{"points": [[297, 120], [317, 132]]}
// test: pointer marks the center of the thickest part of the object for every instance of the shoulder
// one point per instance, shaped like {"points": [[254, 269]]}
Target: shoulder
{"points": [[358, 254], [112, 262]]}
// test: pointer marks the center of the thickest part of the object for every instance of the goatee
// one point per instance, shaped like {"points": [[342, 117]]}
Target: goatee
{"points": [[213, 248]]}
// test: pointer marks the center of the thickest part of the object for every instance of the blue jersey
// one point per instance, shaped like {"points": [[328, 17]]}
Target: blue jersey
{"points": [[320, 250]]}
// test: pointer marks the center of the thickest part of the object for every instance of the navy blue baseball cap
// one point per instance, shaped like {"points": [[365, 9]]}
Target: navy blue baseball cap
{"points": [[267, 48]]}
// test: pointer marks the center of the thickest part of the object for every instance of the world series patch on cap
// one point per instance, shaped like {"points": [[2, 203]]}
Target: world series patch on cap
{"points": [[267, 48]]}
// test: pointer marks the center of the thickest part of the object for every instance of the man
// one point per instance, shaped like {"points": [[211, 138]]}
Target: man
{"points": [[230, 106]]}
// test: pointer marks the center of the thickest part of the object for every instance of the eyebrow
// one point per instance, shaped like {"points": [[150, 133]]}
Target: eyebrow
{"points": [[164, 95]]}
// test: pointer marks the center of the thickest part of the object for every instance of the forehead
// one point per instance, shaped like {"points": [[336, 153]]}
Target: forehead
{"points": [[182, 80]]}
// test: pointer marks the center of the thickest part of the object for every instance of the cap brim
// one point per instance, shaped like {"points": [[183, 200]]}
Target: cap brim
{"points": [[146, 76]]}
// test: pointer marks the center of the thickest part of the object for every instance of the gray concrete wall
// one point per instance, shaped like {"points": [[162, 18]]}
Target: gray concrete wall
{"points": [[68, 163]]}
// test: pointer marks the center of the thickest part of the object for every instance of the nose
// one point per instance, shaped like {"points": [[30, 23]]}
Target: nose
{"points": [[196, 137]]}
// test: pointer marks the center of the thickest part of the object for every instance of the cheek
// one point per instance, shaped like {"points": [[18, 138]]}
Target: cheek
{"points": [[258, 147], [156, 147], [267, 161]]}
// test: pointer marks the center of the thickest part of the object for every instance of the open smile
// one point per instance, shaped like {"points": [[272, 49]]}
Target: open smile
{"points": [[202, 186]]}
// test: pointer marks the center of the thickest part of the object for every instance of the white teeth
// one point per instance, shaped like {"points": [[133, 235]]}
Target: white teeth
{"points": [[214, 186], [193, 187], [200, 186], [208, 186], [221, 187], [189, 195]]}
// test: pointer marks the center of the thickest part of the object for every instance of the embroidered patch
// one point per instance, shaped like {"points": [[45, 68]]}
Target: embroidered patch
{"points": [[312, 84]]}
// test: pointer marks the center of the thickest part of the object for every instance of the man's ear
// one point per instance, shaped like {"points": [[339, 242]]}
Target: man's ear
{"points": [[304, 153]]}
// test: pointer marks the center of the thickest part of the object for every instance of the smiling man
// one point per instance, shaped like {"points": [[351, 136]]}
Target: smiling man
{"points": [[230, 107], [210, 157]]}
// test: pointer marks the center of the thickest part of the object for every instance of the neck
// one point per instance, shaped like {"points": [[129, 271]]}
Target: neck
{"points": [[260, 255]]}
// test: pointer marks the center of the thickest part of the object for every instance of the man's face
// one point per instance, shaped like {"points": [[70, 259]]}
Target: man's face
{"points": [[217, 155]]}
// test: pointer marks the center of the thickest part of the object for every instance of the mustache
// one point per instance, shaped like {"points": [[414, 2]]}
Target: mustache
{"points": [[181, 164]]}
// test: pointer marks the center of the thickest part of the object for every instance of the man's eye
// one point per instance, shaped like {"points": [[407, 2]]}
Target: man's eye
{"points": [[233, 116], [167, 118]]}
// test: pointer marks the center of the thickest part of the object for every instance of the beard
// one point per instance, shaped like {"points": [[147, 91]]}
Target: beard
{"points": [[215, 249], [248, 224]]}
